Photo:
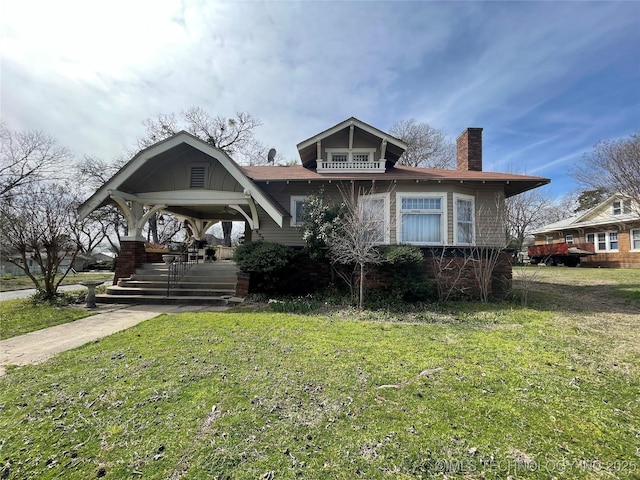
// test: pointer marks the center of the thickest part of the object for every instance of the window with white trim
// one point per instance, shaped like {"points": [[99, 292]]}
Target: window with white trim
{"points": [[421, 218], [569, 238], [464, 219], [620, 207], [360, 157], [635, 239], [297, 209], [549, 240], [374, 210], [604, 241], [338, 157]]}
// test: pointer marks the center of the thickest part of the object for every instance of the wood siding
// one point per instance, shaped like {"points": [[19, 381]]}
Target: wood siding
{"points": [[489, 204]]}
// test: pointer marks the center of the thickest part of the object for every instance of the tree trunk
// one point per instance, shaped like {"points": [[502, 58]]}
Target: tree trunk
{"points": [[361, 305], [226, 232]]}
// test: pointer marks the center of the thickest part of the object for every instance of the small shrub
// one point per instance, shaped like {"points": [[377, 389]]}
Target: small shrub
{"points": [[61, 299], [268, 264], [263, 257], [409, 280]]}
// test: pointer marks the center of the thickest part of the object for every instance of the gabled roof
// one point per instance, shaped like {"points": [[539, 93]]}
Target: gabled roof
{"points": [[514, 184], [307, 148], [593, 217], [180, 140]]}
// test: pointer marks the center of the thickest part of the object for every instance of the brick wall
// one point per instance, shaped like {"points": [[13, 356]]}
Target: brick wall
{"points": [[309, 276], [132, 255]]}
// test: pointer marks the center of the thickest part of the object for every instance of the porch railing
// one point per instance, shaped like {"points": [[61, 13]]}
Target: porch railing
{"points": [[179, 267]]}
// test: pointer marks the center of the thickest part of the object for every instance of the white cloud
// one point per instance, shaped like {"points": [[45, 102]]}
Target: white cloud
{"points": [[90, 76]]}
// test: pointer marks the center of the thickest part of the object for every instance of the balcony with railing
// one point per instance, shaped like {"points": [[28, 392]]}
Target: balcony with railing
{"points": [[353, 166]]}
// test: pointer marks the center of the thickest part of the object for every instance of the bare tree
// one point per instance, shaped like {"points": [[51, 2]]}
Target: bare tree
{"points": [[28, 157], [614, 166], [426, 146], [487, 250], [234, 135], [525, 212], [38, 227], [355, 239]]}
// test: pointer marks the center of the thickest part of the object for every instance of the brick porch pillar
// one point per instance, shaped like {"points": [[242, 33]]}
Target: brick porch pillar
{"points": [[132, 255]]}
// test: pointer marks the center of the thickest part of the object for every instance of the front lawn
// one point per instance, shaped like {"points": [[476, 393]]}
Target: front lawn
{"points": [[473, 392], [22, 316]]}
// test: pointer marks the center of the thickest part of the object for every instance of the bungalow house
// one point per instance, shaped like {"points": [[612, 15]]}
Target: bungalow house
{"points": [[612, 230], [202, 185]]}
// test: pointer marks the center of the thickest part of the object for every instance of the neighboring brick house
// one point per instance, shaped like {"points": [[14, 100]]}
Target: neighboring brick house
{"points": [[613, 227], [201, 185]]}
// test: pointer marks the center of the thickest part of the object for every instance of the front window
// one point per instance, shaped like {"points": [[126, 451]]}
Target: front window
{"points": [[339, 157], [549, 240], [464, 219], [374, 210], [635, 239], [421, 219], [569, 239], [604, 241], [297, 210]]}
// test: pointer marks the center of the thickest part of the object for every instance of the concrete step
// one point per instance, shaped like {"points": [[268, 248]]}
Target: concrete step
{"points": [[117, 290], [211, 283], [225, 300]]}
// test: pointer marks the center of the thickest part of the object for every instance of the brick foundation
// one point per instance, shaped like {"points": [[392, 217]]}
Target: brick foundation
{"points": [[308, 276]]}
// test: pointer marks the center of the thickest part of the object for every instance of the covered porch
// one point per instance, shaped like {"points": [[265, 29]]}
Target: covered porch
{"points": [[188, 179]]}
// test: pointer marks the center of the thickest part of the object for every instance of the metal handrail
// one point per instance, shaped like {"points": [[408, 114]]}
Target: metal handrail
{"points": [[178, 268]]}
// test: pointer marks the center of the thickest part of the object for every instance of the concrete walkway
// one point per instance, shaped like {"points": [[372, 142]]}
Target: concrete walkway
{"points": [[36, 347]]}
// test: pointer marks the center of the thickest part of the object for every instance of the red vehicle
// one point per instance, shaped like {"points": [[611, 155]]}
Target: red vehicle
{"points": [[568, 254]]}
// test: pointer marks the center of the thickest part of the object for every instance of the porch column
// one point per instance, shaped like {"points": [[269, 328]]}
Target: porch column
{"points": [[132, 255]]}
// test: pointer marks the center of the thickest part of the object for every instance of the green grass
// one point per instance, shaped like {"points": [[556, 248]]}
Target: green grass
{"points": [[21, 282], [21, 316], [470, 391]]}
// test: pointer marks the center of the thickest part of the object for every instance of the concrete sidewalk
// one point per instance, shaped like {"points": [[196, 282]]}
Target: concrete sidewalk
{"points": [[36, 347]]}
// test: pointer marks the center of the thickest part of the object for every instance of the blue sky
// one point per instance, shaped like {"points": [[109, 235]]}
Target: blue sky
{"points": [[546, 80]]}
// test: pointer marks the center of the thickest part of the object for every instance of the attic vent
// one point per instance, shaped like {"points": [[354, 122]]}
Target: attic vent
{"points": [[198, 175]]}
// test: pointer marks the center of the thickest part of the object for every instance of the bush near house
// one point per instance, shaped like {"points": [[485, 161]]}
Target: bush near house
{"points": [[268, 263]]}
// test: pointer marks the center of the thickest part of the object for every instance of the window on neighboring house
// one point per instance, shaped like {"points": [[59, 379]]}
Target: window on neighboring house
{"points": [[464, 221], [297, 209], [604, 241], [620, 207], [198, 175], [569, 239], [635, 239], [421, 219], [375, 215]]}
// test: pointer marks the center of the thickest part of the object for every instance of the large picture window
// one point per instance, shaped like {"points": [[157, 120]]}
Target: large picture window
{"points": [[464, 222], [421, 219]]}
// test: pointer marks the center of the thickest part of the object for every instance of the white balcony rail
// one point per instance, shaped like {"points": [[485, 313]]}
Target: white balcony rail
{"points": [[325, 166]]}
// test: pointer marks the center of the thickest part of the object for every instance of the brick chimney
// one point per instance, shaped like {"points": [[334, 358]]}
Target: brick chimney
{"points": [[469, 150]]}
